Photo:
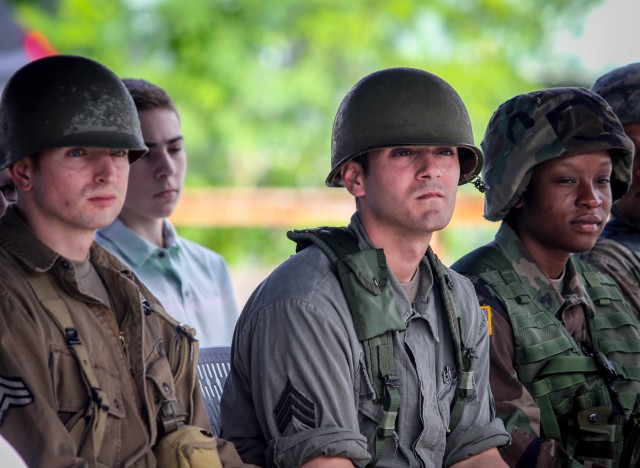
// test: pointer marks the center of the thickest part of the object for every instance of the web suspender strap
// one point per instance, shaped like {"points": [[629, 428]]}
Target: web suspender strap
{"points": [[364, 278], [464, 354], [97, 405], [183, 356], [379, 350]]}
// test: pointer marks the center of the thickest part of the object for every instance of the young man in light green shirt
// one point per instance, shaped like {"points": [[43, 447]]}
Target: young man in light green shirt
{"points": [[191, 281]]}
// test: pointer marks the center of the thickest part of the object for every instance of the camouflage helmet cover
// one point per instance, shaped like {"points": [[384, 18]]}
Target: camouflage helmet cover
{"points": [[66, 100], [621, 89], [532, 128], [398, 107]]}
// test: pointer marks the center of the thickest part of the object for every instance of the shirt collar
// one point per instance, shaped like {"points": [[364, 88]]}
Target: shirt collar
{"points": [[18, 238], [134, 249], [515, 252]]}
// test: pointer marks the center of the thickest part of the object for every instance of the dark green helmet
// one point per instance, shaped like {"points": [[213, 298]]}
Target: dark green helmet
{"points": [[621, 89], [532, 128], [66, 100], [402, 106]]}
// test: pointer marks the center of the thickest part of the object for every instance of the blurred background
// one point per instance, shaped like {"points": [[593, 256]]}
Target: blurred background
{"points": [[258, 82]]}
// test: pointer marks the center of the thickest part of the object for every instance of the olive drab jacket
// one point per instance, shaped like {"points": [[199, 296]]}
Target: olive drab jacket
{"points": [[42, 387]]}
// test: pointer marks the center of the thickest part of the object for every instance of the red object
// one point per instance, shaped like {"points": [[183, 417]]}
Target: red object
{"points": [[37, 46]]}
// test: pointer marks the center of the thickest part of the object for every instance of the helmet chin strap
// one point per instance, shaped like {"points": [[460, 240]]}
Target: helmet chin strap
{"points": [[479, 184]]}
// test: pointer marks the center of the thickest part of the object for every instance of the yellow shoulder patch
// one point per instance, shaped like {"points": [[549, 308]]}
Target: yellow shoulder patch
{"points": [[487, 313]]}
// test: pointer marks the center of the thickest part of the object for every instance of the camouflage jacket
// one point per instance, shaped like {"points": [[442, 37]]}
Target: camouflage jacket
{"points": [[617, 252], [515, 404]]}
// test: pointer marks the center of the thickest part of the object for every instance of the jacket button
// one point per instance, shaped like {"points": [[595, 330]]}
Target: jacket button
{"points": [[166, 388], [593, 418]]}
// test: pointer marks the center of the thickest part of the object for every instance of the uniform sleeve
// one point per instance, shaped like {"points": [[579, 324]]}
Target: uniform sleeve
{"points": [[514, 404], [621, 264], [290, 393], [29, 418]]}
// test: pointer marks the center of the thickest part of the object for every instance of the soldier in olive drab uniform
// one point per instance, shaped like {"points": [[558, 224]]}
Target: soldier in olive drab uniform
{"points": [[84, 368], [565, 347], [618, 249], [301, 391]]}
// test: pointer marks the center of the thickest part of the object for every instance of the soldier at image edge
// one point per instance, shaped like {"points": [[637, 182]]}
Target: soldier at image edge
{"points": [[363, 349], [93, 371], [617, 251], [565, 345]]}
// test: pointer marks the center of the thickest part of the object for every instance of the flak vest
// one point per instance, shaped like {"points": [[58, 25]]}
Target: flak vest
{"points": [[364, 276], [586, 399]]}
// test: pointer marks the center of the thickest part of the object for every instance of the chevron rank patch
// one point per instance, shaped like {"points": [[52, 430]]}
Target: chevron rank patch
{"points": [[13, 392], [487, 313], [294, 407]]}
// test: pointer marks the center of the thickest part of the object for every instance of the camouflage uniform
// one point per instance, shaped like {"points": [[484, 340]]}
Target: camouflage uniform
{"points": [[618, 250], [539, 324]]}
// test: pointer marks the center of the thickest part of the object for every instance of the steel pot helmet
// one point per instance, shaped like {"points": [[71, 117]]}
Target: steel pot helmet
{"points": [[66, 100], [621, 89], [397, 107], [532, 128]]}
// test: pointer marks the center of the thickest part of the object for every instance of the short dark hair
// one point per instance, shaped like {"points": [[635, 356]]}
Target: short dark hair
{"points": [[148, 96]]}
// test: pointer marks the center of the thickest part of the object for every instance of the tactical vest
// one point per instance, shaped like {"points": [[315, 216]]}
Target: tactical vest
{"points": [[584, 400], [364, 277]]}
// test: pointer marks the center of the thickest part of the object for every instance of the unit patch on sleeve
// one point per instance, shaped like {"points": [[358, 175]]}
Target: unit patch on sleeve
{"points": [[487, 313], [294, 407], [13, 392]]}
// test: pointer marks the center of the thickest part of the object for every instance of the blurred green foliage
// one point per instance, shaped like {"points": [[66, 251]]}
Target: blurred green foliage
{"points": [[258, 82]]}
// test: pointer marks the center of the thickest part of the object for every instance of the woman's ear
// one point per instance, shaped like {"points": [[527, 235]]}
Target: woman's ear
{"points": [[21, 173], [353, 178]]}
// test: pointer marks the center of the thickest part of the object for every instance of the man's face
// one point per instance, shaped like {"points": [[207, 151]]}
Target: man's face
{"points": [[410, 190], [629, 205], [9, 191], [566, 204], [77, 188], [156, 179]]}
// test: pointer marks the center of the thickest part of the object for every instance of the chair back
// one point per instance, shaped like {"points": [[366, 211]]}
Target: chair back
{"points": [[213, 369]]}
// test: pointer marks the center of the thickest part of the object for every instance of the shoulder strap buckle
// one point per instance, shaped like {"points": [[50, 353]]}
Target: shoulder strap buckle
{"points": [[71, 335]]}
